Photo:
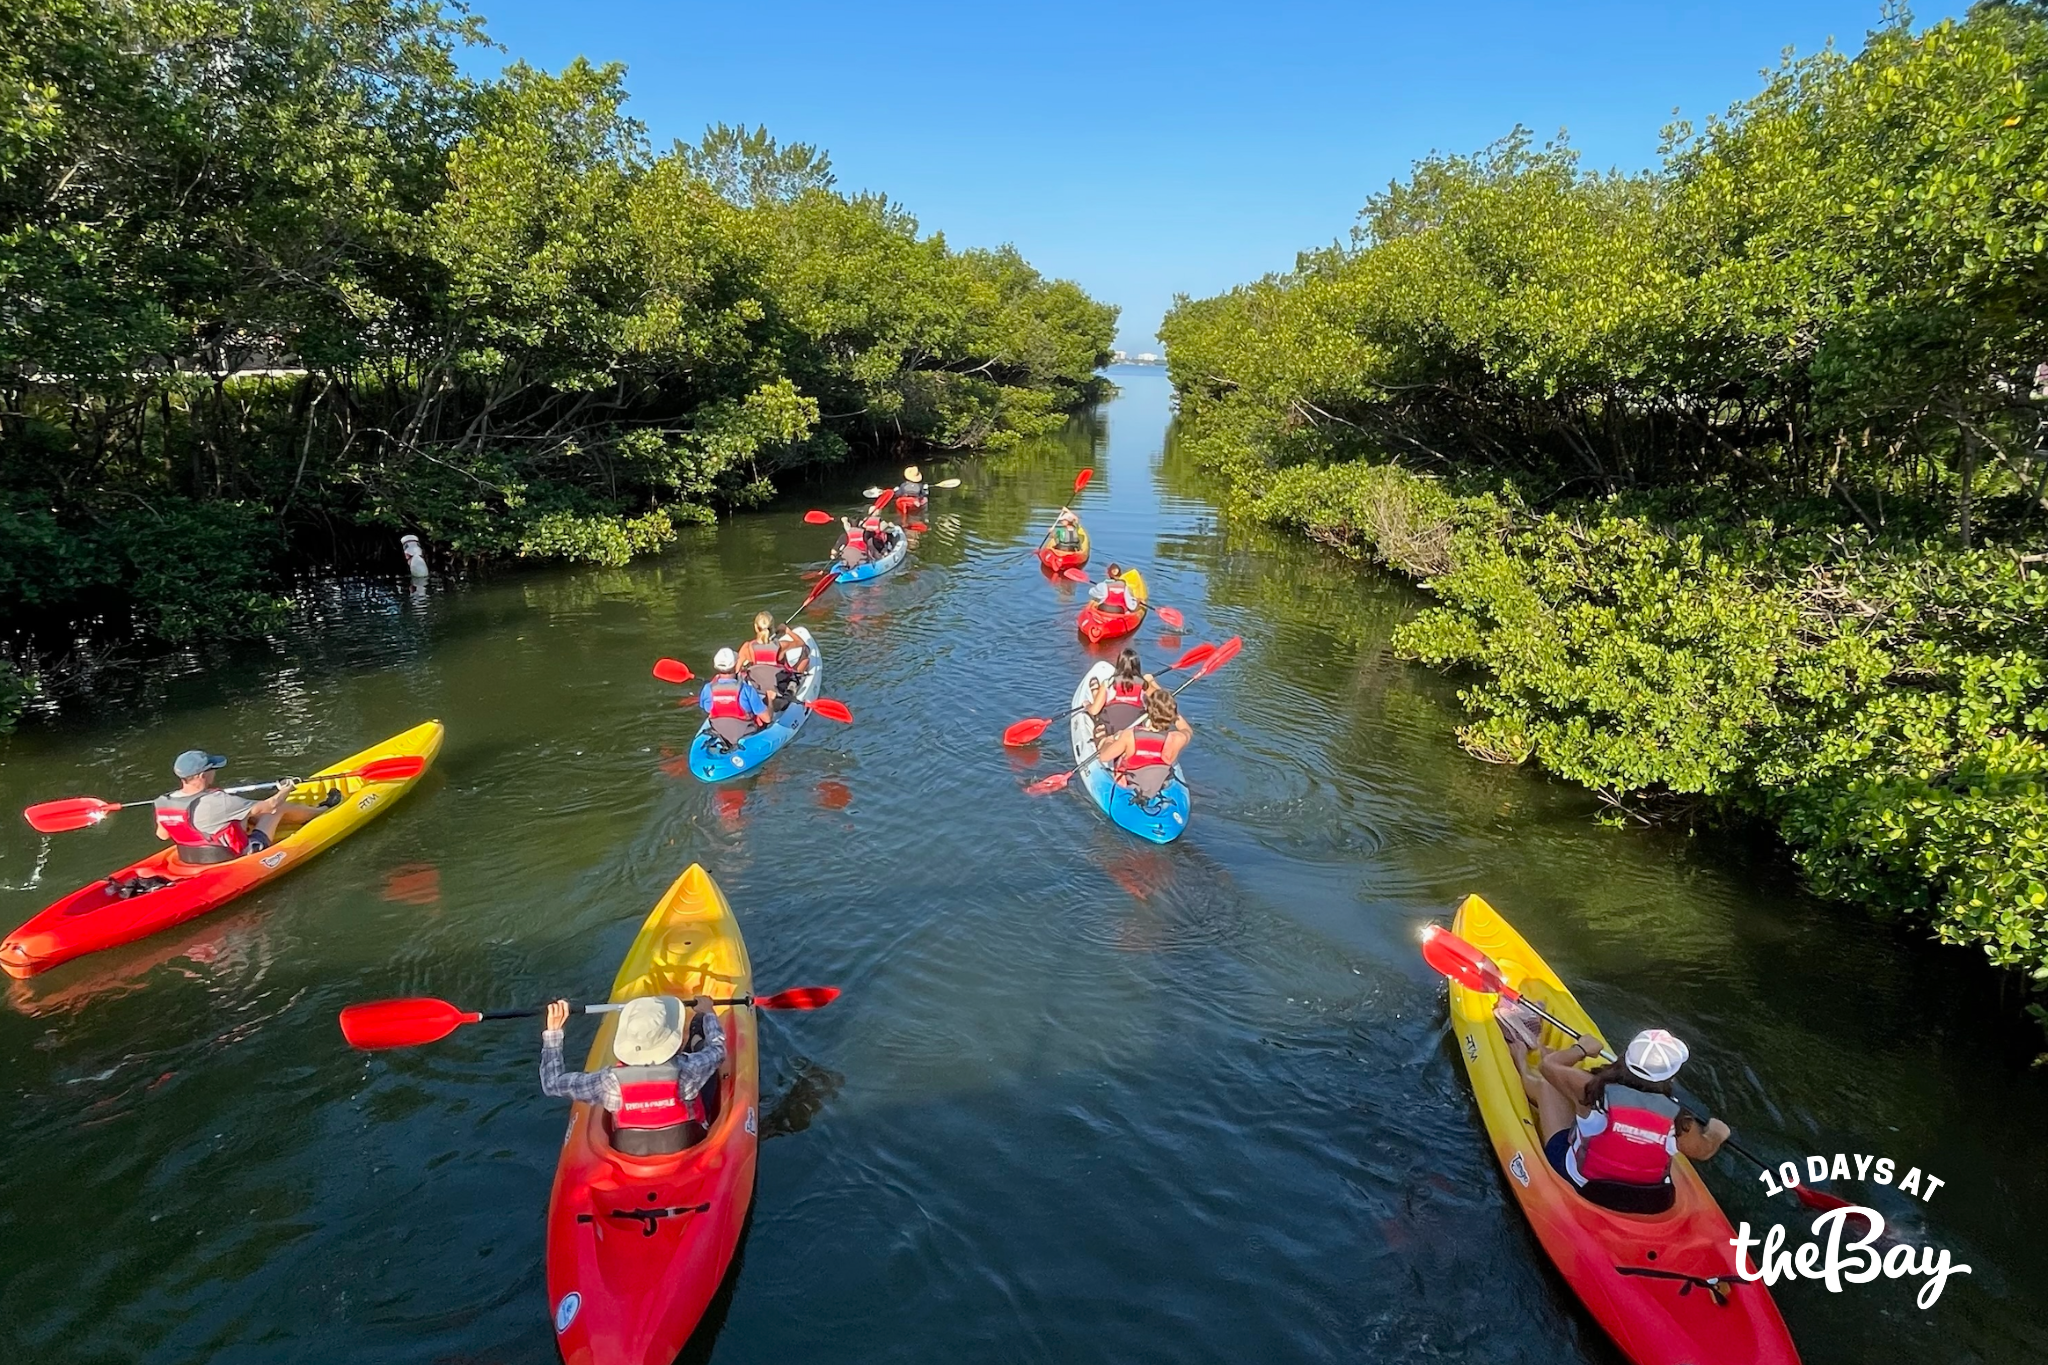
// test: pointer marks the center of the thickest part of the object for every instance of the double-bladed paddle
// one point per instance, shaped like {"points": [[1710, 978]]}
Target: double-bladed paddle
{"points": [[943, 483], [76, 812], [1225, 652], [1475, 971], [381, 1024], [676, 671], [1028, 730]]}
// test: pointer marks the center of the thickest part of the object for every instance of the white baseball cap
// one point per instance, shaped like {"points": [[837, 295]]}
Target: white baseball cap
{"points": [[1656, 1055], [724, 659]]}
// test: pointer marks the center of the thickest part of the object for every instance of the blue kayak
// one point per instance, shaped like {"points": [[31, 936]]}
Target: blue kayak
{"points": [[1162, 819], [712, 760], [875, 568]]}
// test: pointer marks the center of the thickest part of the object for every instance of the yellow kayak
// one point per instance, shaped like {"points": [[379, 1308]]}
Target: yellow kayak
{"points": [[1663, 1285]]}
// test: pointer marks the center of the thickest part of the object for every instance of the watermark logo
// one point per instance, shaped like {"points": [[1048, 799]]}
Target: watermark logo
{"points": [[1835, 1258]]}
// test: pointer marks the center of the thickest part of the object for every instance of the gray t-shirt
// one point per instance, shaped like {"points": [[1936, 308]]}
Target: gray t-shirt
{"points": [[215, 811]]}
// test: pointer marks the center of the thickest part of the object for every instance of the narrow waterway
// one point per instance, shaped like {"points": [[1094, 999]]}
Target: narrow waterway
{"points": [[1083, 1099]]}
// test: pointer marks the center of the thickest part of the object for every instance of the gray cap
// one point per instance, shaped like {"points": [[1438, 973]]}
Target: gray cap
{"points": [[193, 762]]}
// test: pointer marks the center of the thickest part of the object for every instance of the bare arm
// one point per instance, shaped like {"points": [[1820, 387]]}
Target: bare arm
{"points": [[1561, 1068], [1697, 1144], [1098, 696]]}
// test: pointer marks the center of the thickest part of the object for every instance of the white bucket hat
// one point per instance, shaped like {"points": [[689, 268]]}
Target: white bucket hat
{"points": [[724, 659], [650, 1030], [1656, 1055]]}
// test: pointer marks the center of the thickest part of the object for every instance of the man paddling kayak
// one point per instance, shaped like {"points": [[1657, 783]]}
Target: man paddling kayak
{"points": [[1142, 757], [1612, 1131], [733, 705], [913, 490], [1066, 531], [209, 825], [652, 1094]]}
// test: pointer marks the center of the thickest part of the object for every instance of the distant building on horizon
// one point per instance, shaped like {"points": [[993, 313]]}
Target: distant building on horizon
{"points": [[1141, 358]]}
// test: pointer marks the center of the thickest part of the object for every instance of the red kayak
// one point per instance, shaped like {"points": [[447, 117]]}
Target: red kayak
{"points": [[161, 891], [638, 1245], [1054, 561], [1097, 625]]}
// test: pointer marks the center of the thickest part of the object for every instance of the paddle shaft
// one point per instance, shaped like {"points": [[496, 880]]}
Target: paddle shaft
{"points": [[254, 787], [610, 1007]]}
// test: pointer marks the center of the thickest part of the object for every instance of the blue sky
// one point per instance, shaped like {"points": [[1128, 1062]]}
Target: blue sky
{"points": [[1147, 149]]}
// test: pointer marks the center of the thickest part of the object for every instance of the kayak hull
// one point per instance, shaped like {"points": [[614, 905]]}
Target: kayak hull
{"points": [[638, 1246], [1644, 1277], [1159, 821], [94, 918], [1058, 561], [711, 761], [875, 568], [1096, 625]]}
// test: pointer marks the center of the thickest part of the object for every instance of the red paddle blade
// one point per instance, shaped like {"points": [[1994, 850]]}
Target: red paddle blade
{"points": [[671, 671], [817, 518], [1191, 658], [917, 526], [1045, 785], [73, 812], [1081, 480], [798, 998], [1225, 652], [1460, 961], [401, 1023], [1074, 575], [818, 589], [1024, 731], [400, 768], [1171, 617], [833, 710], [884, 500]]}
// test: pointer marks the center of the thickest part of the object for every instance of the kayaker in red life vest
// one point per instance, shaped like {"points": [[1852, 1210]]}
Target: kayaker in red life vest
{"points": [[1612, 1131], [652, 1094], [913, 489], [734, 706], [774, 663], [1143, 756], [1112, 595], [1066, 531], [1118, 705], [213, 826]]}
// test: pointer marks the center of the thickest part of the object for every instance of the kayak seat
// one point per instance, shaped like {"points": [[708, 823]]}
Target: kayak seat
{"points": [[655, 1141]]}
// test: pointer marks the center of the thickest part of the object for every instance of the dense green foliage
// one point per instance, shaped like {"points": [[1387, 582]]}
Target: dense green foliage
{"points": [[1722, 475], [275, 275]]}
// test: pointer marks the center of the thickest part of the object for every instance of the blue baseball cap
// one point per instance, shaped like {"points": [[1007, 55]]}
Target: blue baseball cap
{"points": [[193, 762]]}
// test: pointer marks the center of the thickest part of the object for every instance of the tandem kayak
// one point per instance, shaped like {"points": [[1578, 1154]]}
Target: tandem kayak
{"points": [[711, 760], [1056, 561], [1663, 1285], [875, 568], [638, 1245], [161, 891], [1162, 819]]}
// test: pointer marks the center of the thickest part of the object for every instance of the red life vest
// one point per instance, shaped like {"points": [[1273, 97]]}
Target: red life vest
{"points": [[648, 1099], [1115, 597], [1148, 750], [1635, 1146], [758, 653], [1127, 691], [174, 813], [725, 700]]}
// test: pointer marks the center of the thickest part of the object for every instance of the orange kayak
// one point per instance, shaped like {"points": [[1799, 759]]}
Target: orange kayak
{"points": [[1663, 1285], [161, 892], [638, 1246]]}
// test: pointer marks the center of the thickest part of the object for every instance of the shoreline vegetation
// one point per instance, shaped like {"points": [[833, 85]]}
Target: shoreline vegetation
{"points": [[1727, 478], [279, 283]]}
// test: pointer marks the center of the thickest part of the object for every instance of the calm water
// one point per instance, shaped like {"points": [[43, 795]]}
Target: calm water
{"points": [[1083, 1099]]}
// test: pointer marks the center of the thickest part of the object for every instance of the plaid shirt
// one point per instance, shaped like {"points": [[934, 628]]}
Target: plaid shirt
{"points": [[694, 1071]]}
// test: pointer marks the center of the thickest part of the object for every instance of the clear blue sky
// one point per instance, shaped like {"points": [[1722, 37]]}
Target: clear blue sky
{"points": [[1146, 149]]}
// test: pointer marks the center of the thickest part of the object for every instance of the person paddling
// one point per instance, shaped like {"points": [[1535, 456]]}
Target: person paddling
{"points": [[1611, 1131], [654, 1095], [1112, 595], [1117, 706], [209, 825], [774, 661], [1142, 757], [1066, 532], [732, 704], [853, 551], [913, 490]]}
